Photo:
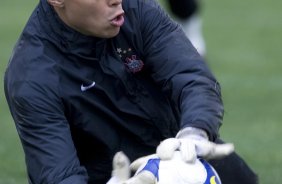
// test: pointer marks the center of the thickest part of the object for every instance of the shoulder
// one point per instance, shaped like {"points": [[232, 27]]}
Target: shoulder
{"points": [[30, 72], [147, 16]]}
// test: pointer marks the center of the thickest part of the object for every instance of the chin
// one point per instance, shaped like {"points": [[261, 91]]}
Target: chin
{"points": [[111, 34]]}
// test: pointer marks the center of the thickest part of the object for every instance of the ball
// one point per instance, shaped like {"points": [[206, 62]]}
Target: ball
{"points": [[176, 171]]}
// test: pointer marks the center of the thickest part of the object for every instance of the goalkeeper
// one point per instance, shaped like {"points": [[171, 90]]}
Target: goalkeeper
{"points": [[89, 78]]}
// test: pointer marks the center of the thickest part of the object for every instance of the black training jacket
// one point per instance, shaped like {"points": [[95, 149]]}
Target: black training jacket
{"points": [[77, 100]]}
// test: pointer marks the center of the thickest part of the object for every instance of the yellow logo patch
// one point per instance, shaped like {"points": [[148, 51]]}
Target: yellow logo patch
{"points": [[212, 180]]}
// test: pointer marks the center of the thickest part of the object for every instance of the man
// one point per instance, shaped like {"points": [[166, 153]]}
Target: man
{"points": [[90, 78]]}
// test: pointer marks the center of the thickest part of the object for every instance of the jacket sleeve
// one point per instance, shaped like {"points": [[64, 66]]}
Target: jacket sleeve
{"points": [[181, 72], [45, 135]]}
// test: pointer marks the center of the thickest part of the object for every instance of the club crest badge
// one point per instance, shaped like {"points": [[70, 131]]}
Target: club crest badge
{"points": [[131, 61], [133, 64]]}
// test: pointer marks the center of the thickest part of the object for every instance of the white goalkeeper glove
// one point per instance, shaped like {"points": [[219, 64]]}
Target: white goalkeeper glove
{"points": [[121, 171], [193, 142]]}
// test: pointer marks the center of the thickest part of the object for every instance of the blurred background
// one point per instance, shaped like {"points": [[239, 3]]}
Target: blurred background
{"points": [[243, 42]]}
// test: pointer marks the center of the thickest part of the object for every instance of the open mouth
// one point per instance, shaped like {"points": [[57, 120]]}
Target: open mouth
{"points": [[118, 20]]}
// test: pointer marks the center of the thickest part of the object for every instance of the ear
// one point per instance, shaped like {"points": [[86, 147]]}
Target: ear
{"points": [[56, 3]]}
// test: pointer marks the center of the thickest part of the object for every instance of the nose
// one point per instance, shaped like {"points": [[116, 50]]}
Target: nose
{"points": [[115, 2]]}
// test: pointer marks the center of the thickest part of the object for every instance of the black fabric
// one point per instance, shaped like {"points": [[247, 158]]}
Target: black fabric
{"points": [[233, 170]]}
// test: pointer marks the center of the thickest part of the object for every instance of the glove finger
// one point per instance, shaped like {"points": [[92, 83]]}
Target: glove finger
{"points": [[222, 150], [204, 148], [167, 147], [211, 150], [188, 151], [121, 170]]}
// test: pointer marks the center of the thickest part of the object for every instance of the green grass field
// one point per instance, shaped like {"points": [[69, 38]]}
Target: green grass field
{"points": [[244, 51]]}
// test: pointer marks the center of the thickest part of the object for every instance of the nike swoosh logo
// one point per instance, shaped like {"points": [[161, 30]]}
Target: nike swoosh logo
{"points": [[84, 88]]}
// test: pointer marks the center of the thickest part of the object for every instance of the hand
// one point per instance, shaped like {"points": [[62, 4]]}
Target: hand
{"points": [[193, 142], [121, 171]]}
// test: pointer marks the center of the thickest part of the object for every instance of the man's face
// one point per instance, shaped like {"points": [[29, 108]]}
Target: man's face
{"points": [[99, 18]]}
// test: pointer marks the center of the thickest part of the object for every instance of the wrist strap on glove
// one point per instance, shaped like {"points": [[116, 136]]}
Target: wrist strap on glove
{"points": [[192, 132]]}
